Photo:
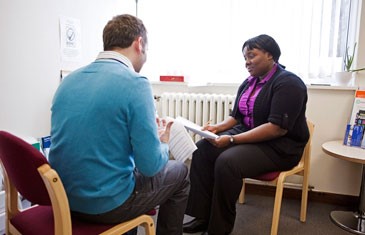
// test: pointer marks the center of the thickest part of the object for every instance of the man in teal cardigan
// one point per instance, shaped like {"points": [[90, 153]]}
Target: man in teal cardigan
{"points": [[105, 141]]}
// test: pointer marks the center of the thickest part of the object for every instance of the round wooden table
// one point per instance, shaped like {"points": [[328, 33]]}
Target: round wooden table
{"points": [[353, 222]]}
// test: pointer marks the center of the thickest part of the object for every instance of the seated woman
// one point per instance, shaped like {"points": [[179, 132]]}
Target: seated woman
{"points": [[266, 131]]}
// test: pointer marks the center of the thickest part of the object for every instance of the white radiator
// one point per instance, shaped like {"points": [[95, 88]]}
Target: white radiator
{"points": [[196, 107]]}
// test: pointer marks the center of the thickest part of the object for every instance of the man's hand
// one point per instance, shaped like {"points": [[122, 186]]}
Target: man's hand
{"points": [[165, 133]]}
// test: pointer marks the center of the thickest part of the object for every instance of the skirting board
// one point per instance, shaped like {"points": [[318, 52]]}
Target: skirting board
{"points": [[330, 198]]}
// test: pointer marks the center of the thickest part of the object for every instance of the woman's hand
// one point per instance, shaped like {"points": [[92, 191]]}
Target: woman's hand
{"points": [[221, 141], [211, 128], [228, 123]]}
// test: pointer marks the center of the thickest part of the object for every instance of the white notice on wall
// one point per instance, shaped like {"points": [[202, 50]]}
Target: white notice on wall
{"points": [[70, 39]]}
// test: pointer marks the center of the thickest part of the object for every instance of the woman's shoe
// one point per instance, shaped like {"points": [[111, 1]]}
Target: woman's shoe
{"points": [[196, 225]]}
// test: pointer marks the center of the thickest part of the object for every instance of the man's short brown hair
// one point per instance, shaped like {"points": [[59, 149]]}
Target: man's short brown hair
{"points": [[122, 30]]}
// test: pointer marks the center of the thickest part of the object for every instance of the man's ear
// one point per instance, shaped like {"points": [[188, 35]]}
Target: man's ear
{"points": [[139, 45]]}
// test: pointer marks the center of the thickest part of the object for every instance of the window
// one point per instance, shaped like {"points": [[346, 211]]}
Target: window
{"points": [[202, 39]]}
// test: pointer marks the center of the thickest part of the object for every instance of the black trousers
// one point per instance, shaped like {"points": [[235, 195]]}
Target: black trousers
{"points": [[216, 180]]}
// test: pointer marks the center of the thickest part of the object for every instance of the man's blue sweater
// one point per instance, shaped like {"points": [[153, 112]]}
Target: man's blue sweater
{"points": [[103, 127]]}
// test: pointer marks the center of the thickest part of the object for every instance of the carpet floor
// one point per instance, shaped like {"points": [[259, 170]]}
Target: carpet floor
{"points": [[254, 218]]}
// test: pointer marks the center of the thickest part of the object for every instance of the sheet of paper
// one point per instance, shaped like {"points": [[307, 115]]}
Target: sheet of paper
{"points": [[70, 43], [196, 128], [181, 145]]}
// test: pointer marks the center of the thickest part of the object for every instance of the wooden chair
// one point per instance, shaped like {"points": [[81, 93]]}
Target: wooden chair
{"points": [[27, 172], [278, 179]]}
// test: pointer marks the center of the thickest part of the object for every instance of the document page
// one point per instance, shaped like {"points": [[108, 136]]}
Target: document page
{"points": [[181, 144], [196, 128]]}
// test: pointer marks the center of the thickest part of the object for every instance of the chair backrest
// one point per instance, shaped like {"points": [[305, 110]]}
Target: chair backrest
{"points": [[28, 172], [21, 161], [305, 160]]}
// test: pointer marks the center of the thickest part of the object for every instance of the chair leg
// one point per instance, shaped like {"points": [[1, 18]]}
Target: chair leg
{"points": [[241, 198], [149, 227], [277, 207], [303, 208]]}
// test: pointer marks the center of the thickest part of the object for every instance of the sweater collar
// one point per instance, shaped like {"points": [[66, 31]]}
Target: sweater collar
{"points": [[116, 56]]}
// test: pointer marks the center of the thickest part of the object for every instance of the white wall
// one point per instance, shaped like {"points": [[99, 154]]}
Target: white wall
{"points": [[329, 109], [30, 67], [30, 54]]}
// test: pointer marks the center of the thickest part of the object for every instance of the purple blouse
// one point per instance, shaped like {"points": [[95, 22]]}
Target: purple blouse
{"points": [[248, 98]]}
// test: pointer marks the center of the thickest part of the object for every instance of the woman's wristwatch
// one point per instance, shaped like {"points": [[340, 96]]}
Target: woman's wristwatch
{"points": [[231, 139]]}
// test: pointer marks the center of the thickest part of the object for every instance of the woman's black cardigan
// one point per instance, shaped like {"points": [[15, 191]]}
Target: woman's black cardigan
{"points": [[281, 101]]}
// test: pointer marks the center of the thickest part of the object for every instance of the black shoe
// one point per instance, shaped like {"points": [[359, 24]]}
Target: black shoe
{"points": [[196, 225], [205, 233]]}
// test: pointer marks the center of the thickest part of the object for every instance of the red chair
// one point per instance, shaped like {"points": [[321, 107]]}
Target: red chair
{"points": [[27, 172], [278, 178]]}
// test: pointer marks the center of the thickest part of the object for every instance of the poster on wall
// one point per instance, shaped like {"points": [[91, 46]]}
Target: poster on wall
{"points": [[70, 43]]}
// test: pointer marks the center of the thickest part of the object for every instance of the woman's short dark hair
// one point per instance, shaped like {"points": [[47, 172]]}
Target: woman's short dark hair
{"points": [[122, 30], [266, 43]]}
